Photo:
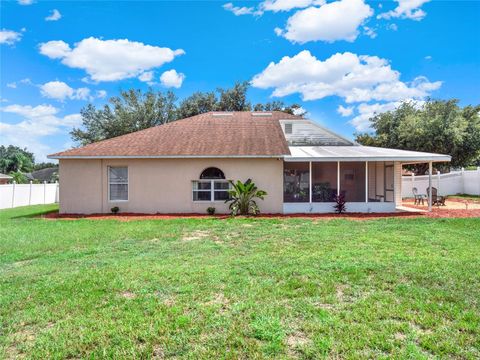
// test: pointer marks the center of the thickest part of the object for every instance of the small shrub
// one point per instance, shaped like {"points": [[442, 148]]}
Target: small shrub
{"points": [[115, 210], [340, 202], [211, 210]]}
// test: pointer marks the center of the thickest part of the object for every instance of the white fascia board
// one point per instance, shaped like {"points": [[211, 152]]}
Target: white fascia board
{"points": [[440, 158], [59, 157]]}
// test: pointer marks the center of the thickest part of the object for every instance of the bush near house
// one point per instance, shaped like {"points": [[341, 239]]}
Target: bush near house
{"points": [[215, 288]]}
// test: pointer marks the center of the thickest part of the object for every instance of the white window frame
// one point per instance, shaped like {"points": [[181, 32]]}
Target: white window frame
{"points": [[212, 189], [124, 183]]}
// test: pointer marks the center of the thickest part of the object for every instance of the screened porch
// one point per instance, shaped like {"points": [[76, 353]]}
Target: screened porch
{"points": [[312, 185]]}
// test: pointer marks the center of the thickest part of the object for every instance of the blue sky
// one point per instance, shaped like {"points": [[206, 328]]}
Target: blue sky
{"points": [[341, 60]]}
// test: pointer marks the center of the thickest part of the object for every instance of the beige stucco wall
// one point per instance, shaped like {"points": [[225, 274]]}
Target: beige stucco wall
{"points": [[162, 185]]}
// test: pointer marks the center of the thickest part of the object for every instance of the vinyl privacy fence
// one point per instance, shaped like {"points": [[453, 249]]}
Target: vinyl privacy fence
{"points": [[455, 182], [14, 195]]}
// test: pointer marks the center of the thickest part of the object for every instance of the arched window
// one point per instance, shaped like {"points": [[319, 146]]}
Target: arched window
{"points": [[212, 186], [212, 173]]}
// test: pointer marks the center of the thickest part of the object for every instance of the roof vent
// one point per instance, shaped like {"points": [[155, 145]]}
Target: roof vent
{"points": [[222, 114], [261, 114]]}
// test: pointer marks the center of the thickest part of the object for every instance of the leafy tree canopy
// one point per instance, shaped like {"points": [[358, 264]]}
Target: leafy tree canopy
{"points": [[439, 126], [134, 110], [15, 159]]}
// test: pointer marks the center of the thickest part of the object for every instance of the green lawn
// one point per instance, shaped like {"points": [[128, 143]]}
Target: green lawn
{"points": [[238, 288]]}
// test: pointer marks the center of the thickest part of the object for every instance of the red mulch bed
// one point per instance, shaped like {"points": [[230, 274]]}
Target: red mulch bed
{"points": [[436, 213]]}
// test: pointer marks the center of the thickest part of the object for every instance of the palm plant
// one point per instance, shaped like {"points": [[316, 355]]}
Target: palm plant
{"points": [[242, 197]]}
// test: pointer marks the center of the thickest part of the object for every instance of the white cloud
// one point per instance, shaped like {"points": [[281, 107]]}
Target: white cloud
{"points": [[370, 32], [59, 90], [287, 5], [101, 94], [12, 85], [393, 27], [147, 76], [361, 122], [428, 57], [171, 78], [406, 9], [338, 20], [345, 111], [25, 2], [54, 16], [9, 37], [56, 49], [38, 122], [110, 60], [237, 11], [56, 90], [355, 78]]}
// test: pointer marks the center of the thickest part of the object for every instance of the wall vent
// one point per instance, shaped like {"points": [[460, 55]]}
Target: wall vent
{"points": [[288, 128]]}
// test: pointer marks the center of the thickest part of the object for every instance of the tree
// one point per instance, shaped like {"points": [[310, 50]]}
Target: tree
{"points": [[129, 112], [439, 126], [234, 99], [134, 110], [14, 158], [197, 103]]}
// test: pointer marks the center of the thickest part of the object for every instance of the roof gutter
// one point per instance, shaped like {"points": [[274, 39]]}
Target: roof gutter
{"points": [[409, 159], [60, 157]]}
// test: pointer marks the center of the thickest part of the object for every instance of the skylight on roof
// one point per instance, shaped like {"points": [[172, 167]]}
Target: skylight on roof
{"points": [[261, 114], [223, 114]]}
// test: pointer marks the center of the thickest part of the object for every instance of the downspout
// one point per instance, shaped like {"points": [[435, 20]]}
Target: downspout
{"points": [[430, 170]]}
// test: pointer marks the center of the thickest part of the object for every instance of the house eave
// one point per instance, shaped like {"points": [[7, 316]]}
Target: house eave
{"points": [[60, 157]]}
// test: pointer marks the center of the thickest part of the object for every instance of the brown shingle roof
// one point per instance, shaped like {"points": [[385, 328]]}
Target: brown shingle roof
{"points": [[209, 134]]}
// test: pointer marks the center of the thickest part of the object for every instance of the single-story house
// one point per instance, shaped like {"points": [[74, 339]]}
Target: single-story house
{"points": [[184, 167], [48, 175], [4, 179]]}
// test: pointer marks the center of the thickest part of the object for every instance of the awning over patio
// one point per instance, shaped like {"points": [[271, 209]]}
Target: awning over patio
{"points": [[360, 153]]}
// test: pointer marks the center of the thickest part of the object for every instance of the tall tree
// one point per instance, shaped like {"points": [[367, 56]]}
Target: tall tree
{"points": [[129, 112], [197, 103], [235, 98], [439, 126], [15, 159]]}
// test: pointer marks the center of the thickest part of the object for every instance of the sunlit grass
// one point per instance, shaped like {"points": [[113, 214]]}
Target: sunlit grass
{"points": [[238, 288]]}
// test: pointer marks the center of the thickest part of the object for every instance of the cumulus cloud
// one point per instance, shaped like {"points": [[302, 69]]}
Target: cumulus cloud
{"points": [[365, 111], [355, 78], [147, 77], [364, 79], [287, 5], [25, 2], [109, 60], [338, 20], [237, 10], [54, 16], [59, 90], [9, 37], [406, 9], [171, 78], [37, 123], [345, 110]]}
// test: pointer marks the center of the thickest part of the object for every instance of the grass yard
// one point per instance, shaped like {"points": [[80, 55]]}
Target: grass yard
{"points": [[238, 288]]}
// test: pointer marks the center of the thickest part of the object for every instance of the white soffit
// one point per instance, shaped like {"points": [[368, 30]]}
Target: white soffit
{"points": [[360, 153]]}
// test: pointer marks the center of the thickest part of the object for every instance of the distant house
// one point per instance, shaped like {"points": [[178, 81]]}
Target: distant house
{"points": [[184, 167], [4, 179], [48, 174]]}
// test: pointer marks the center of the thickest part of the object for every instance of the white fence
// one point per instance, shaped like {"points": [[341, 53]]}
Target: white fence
{"points": [[455, 182], [13, 195]]}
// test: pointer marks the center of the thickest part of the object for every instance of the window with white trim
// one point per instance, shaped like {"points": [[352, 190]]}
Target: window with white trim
{"points": [[118, 183], [211, 187]]}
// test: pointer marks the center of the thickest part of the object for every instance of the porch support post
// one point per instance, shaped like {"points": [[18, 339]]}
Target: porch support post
{"points": [[366, 181], [430, 170], [338, 178], [310, 189]]}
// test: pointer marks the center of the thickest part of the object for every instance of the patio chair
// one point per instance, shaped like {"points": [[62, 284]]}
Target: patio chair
{"points": [[419, 198], [436, 199]]}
